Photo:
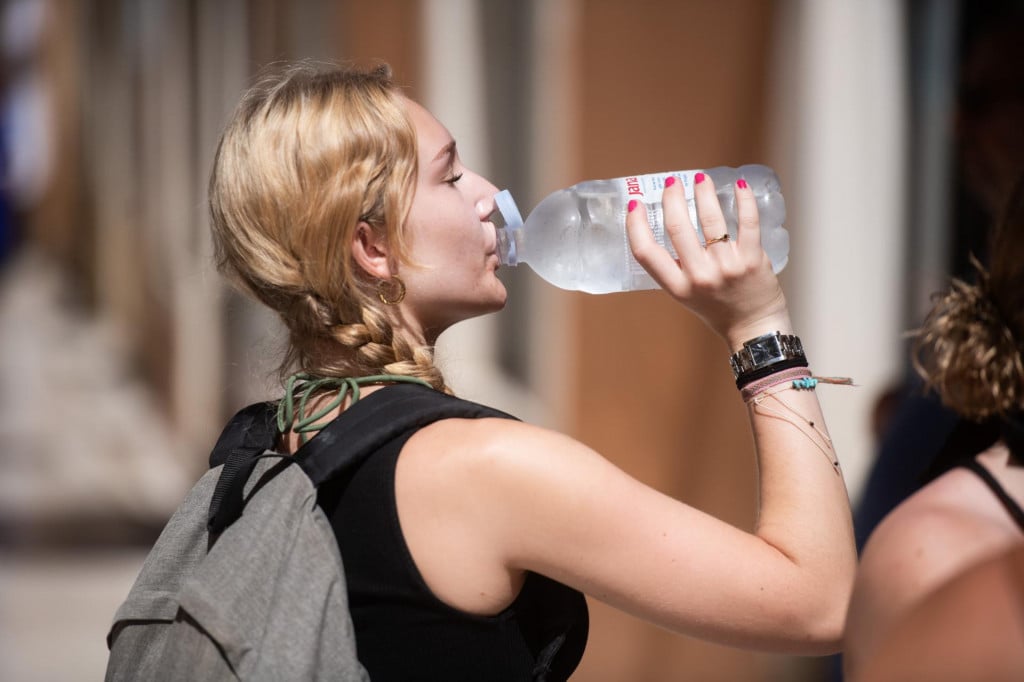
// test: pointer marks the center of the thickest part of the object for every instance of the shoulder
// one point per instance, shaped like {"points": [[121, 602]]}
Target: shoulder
{"points": [[921, 544], [974, 622], [526, 494], [526, 484], [918, 544], [501, 449], [933, 534]]}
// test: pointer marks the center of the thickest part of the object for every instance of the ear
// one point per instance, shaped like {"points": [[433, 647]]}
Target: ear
{"points": [[370, 251]]}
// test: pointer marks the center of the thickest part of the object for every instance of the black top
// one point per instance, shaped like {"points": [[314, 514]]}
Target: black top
{"points": [[403, 631], [969, 438], [1012, 508]]}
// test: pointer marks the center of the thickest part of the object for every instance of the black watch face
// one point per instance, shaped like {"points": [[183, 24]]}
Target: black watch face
{"points": [[766, 351]]}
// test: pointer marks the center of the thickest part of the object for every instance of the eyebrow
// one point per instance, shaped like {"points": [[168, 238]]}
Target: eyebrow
{"points": [[447, 152]]}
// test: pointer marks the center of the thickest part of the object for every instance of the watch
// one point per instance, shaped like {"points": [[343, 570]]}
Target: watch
{"points": [[764, 351]]}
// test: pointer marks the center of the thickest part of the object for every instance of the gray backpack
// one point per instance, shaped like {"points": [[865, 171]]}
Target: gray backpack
{"points": [[261, 595]]}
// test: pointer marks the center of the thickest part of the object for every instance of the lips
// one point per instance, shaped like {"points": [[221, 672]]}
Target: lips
{"points": [[497, 259], [492, 247]]}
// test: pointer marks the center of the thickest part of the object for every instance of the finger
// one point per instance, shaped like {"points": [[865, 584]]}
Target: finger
{"points": [[709, 212], [748, 225], [654, 257], [678, 226]]}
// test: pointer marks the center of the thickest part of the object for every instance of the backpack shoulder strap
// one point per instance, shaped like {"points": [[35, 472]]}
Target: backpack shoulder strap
{"points": [[361, 430], [247, 435], [376, 419]]}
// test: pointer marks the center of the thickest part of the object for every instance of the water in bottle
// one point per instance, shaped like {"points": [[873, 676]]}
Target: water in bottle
{"points": [[576, 237]]}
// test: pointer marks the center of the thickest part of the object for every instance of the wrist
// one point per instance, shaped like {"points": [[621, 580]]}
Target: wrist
{"points": [[765, 355], [736, 336]]}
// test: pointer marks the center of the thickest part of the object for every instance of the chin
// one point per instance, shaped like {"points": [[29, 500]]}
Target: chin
{"points": [[494, 305], [503, 295], [497, 301]]}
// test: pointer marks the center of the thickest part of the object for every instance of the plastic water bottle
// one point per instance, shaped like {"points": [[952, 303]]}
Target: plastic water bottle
{"points": [[576, 237]]}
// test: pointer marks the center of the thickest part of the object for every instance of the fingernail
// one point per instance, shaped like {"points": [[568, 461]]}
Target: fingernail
{"points": [[631, 205], [741, 183], [669, 181], [698, 178]]}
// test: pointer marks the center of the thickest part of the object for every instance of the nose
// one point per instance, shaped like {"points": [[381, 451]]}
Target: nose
{"points": [[485, 204]]}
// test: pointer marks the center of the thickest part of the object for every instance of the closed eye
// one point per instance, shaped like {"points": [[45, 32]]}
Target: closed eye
{"points": [[455, 178]]}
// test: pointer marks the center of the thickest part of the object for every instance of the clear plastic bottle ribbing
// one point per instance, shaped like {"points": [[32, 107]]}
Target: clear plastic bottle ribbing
{"points": [[576, 237]]}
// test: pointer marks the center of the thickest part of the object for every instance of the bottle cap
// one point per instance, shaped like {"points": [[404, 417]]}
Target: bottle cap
{"points": [[513, 220]]}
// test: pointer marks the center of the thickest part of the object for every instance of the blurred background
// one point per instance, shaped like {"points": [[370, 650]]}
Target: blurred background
{"points": [[894, 126]]}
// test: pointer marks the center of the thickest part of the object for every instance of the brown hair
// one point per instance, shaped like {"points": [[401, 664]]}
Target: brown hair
{"points": [[971, 344], [311, 152]]}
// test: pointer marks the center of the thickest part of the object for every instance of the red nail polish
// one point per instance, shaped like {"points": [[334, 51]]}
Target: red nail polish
{"points": [[741, 183], [698, 178], [631, 205], [669, 181]]}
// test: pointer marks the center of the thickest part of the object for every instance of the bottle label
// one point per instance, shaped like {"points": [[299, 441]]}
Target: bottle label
{"points": [[648, 189]]}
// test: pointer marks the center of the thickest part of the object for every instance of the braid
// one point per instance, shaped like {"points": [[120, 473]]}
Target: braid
{"points": [[375, 348], [312, 153], [322, 345], [418, 362]]}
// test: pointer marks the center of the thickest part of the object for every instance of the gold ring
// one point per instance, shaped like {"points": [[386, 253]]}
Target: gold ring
{"points": [[723, 238]]}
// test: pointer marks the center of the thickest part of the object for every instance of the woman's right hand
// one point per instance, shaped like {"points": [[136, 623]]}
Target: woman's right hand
{"points": [[729, 284]]}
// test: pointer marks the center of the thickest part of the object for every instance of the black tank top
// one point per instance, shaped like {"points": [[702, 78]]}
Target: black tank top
{"points": [[404, 632], [1012, 508]]}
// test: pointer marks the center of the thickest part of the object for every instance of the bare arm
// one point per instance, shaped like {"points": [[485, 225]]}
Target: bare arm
{"points": [[573, 516], [541, 501], [804, 513]]}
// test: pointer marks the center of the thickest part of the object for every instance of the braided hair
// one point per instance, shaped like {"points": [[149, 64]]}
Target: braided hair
{"points": [[312, 152]]}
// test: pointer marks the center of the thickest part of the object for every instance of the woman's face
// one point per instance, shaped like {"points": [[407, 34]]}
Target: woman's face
{"points": [[452, 245]]}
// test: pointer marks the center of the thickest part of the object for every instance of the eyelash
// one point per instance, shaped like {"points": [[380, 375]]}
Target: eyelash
{"points": [[455, 178]]}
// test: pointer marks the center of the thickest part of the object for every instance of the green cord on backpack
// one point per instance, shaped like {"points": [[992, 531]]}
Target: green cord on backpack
{"points": [[304, 386]]}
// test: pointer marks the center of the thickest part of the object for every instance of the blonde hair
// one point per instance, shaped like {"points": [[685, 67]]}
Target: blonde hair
{"points": [[310, 153], [970, 346]]}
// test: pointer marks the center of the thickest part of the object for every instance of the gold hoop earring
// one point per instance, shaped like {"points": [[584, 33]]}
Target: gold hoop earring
{"points": [[394, 287]]}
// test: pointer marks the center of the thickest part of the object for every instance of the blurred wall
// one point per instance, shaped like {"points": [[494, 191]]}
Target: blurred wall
{"points": [[839, 137]]}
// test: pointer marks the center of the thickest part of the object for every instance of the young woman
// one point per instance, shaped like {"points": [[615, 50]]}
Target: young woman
{"points": [[344, 206], [971, 351]]}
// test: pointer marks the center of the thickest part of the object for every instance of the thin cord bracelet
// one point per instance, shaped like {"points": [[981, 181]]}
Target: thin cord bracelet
{"points": [[816, 434], [794, 374], [801, 379]]}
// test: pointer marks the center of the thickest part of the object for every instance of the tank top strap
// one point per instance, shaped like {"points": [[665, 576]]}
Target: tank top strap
{"points": [[985, 475]]}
